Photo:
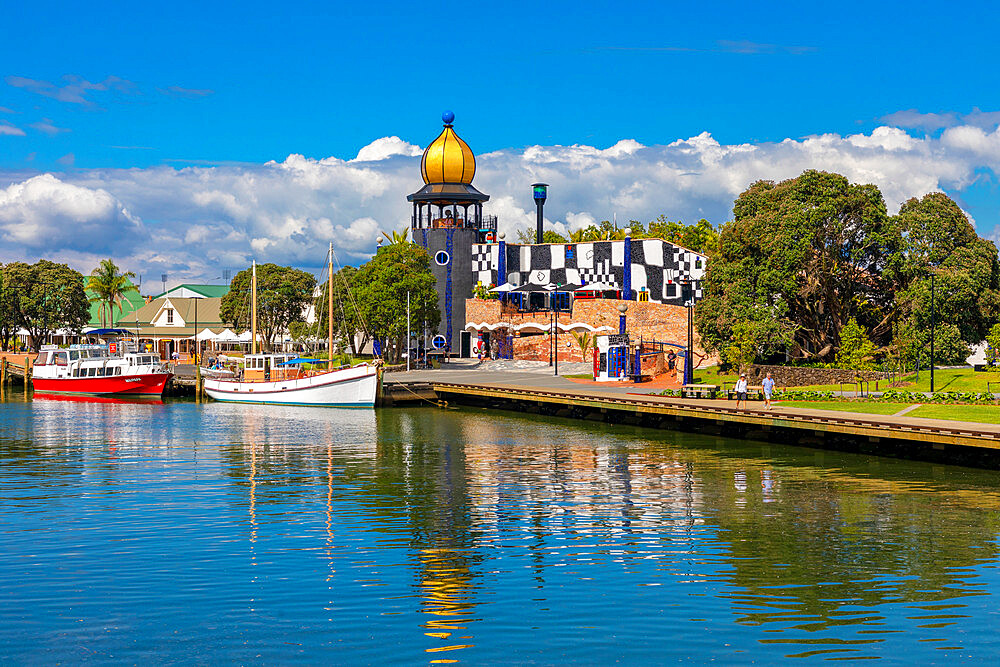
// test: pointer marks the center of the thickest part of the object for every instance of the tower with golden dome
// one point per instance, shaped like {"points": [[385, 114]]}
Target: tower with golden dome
{"points": [[448, 220]]}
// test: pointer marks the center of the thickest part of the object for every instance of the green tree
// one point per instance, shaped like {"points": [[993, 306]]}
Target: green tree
{"points": [[808, 253], [47, 297], [701, 237], [109, 286], [993, 342], [282, 295], [527, 236], [743, 347], [857, 351], [939, 238], [348, 326], [8, 314], [381, 287]]}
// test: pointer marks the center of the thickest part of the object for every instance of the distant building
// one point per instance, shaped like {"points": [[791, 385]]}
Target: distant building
{"points": [[170, 323]]}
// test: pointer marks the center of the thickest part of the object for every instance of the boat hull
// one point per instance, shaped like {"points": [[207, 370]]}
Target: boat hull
{"points": [[344, 388], [114, 385]]}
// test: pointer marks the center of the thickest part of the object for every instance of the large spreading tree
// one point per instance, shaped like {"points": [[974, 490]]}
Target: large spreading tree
{"points": [[800, 258], [940, 240], [283, 293], [46, 297]]}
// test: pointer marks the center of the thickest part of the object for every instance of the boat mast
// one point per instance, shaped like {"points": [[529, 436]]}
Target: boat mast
{"points": [[329, 309], [253, 308]]}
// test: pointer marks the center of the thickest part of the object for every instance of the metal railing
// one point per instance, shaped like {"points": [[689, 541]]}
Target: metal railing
{"points": [[484, 223]]}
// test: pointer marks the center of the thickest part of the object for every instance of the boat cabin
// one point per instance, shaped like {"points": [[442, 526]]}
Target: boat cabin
{"points": [[268, 367]]}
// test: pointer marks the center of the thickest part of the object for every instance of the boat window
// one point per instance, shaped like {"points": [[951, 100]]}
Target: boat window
{"points": [[61, 358], [118, 370], [74, 355], [42, 359]]}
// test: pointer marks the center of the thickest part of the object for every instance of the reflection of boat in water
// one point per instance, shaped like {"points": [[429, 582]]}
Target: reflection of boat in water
{"points": [[280, 379], [84, 398]]}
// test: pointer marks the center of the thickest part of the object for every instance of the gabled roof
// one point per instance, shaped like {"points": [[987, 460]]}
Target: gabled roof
{"points": [[208, 311], [208, 291]]}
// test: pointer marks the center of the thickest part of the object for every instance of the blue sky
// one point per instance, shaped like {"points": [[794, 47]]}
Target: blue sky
{"points": [[105, 86]]}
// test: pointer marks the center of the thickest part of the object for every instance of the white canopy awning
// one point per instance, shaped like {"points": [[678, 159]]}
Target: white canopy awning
{"points": [[227, 336], [206, 334], [598, 287], [506, 287]]}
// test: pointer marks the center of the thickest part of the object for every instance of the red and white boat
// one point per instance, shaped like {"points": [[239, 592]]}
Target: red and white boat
{"points": [[96, 370]]}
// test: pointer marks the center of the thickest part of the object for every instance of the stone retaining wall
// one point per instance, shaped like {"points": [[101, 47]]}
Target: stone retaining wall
{"points": [[799, 376]]}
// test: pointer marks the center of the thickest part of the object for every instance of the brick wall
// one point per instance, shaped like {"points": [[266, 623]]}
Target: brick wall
{"points": [[657, 321], [799, 376]]}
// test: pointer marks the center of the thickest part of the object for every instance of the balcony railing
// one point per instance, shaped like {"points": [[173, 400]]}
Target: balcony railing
{"points": [[485, 223]]}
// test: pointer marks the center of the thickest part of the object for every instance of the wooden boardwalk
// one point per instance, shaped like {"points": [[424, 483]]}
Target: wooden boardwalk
{"points": [[892, 435]]}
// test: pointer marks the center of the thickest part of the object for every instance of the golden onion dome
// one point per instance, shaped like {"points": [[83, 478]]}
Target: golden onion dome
{"points": [[448, 159]]}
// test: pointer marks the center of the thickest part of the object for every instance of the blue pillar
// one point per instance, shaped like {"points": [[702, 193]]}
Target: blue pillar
{"points": [[627, 271], [621, 324], [502, 264]]}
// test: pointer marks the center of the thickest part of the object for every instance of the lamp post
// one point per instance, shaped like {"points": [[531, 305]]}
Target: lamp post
{"points": [[539, 191], [932, 332], [621, 318], [555, 331], [378, 244], [197, 366], [687, 293]]}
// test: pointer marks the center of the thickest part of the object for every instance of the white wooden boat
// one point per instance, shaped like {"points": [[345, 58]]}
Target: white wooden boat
{"points": [[349, 387], [280, 379]]}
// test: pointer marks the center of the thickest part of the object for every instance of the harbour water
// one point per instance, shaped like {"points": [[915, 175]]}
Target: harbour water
{"points": [[205, 532]]}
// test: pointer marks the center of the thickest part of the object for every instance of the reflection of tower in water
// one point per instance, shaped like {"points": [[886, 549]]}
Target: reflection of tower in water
{"points": [[429, 457]]}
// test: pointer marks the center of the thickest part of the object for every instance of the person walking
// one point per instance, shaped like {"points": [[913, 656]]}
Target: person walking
{"points": [[741, 391], [768, 386]]}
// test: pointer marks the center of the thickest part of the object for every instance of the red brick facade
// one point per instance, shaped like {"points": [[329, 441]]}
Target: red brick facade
{"points": [[656, 321]]}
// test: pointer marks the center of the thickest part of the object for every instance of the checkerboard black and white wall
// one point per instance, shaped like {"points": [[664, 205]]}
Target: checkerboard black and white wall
{"points": [[654, 266]]}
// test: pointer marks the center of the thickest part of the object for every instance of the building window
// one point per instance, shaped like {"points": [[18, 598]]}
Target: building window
{"points": [[170, 315], [671, 290], [442, 258]]}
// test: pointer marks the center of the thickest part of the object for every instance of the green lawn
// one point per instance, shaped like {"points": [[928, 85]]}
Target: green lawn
{"points": [[848, 406], [711, 375], [951, 379], [982, 414]]}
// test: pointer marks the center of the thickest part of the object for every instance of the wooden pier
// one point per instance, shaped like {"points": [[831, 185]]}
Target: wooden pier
{"points": [[942, 441]]}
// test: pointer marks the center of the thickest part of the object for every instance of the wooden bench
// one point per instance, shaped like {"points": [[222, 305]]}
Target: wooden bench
{"points": [[699, 391]]}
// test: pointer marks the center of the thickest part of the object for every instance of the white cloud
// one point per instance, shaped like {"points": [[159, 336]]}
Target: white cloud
{"points": [[386, 147], [198, 221], [45, 125], [10, 130], [49, 216]]}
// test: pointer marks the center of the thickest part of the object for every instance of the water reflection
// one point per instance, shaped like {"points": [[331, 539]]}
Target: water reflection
{"points": [[459, 535]]}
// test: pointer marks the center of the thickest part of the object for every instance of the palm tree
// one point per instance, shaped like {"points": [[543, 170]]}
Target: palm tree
{"points": [[109, 287], [584, 340], [398, 238]]}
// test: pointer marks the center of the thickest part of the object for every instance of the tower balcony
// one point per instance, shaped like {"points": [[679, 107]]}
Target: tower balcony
{"points": [[436, 220]]}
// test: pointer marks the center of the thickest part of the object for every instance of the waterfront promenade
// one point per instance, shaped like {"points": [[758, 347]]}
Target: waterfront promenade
{"points": [[502, 385]]}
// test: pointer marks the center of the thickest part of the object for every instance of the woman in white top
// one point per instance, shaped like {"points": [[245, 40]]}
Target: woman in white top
{"points": [[741, 391]]}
